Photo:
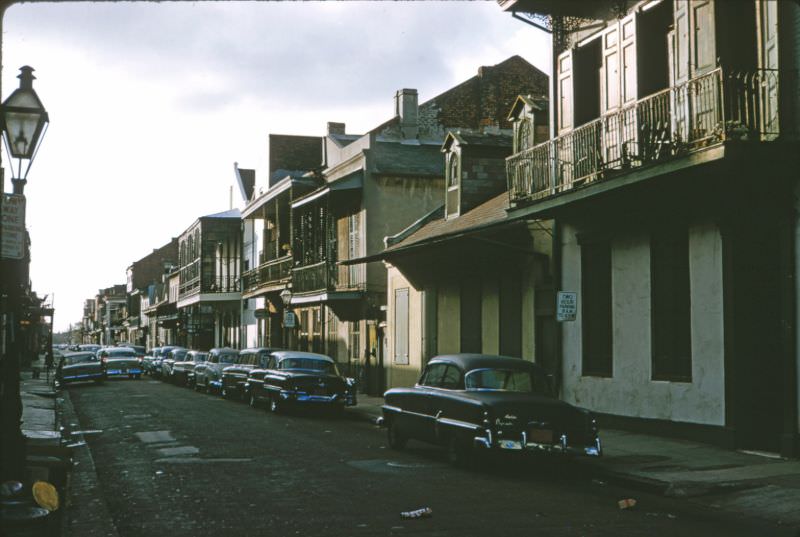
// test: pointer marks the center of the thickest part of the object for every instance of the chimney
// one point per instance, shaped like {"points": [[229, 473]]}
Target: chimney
{"points": [[336, 128], [406, 107]]}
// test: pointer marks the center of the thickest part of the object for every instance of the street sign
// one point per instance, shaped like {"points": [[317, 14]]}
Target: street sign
{"points": [[288, 319], [12, 218], [566, 306]]}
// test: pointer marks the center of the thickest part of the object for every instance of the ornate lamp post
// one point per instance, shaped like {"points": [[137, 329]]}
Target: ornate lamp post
{"points": [[24, 121]]}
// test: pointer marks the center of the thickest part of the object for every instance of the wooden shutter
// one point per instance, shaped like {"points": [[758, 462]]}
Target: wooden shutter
{"points": [[768, 60], [703, 35], [401, 326], [565, 92]]}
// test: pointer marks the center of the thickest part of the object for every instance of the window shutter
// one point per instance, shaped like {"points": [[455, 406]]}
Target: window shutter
{"points": [[401, 326]]}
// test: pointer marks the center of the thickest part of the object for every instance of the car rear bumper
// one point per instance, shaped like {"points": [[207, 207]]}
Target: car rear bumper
{"points": [[303, 397], [561, 446], [117, 371]]}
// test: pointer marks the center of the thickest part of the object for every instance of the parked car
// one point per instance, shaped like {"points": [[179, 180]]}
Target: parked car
{"points": [[119, 361], [470, 402], [87, 347], [159, 353], [234, 377], [176, 354], [296, 378], [78, 366], [148, 361], [183, 371], [208, 374]]}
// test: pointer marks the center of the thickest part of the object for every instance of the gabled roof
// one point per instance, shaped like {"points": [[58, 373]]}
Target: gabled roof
{"points": [[537, 104]]}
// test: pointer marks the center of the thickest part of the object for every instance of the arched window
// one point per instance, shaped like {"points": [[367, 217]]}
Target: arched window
{"points": [[524, 135], [452, 170]]}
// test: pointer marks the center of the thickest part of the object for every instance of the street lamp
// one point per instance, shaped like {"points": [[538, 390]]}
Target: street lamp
{"points": [[288, 317], [23, 120], [24, 123]]}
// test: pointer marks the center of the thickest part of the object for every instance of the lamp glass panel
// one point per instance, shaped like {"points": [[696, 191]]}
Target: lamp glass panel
{"points": [[21, 128]]}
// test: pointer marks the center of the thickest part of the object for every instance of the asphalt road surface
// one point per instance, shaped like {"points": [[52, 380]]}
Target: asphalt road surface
{"points": [[172, 462]]}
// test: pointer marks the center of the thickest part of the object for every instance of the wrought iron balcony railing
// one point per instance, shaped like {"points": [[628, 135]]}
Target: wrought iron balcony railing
{"points": [[324, 276], [273, 271], [681, 119]]}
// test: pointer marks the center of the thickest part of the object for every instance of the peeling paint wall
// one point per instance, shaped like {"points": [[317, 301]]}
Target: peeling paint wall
{"points": [[631, 392]]}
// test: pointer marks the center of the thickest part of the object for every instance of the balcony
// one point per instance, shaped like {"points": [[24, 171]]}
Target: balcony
{"points": [[323, 277], [275, 271], [674, 122]]}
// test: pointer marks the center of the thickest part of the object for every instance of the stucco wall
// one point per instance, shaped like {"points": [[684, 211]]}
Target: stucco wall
{"points": [[397, 374], [631, 392], [391, 204], [449, 318], [490, 317]]}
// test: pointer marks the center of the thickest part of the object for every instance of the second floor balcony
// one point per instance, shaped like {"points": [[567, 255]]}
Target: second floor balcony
{"points": [[328, 277], [275, 272], [704, 111]]}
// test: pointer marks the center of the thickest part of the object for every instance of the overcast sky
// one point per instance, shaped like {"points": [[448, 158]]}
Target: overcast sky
{"points": [[151, 104]]}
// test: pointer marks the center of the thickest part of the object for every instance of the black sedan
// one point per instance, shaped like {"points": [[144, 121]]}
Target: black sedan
{"points": [[79, 366], [470, 402], [300, 378]]}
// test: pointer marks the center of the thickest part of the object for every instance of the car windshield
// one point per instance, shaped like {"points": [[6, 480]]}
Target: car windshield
{"points": [[79, 359], [200, 357], [308, 363], [228, 358], [510, 380]]}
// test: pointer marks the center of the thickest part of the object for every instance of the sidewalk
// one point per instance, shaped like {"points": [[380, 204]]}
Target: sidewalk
{"points": [[47, 459], [750, 484]]}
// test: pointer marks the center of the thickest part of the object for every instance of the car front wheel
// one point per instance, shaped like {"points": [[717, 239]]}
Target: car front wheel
{"points": [[395, 438]]}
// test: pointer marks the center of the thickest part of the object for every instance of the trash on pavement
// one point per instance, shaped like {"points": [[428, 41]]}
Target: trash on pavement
{"points": [[417, 513], [45, 495], [627, 503]]}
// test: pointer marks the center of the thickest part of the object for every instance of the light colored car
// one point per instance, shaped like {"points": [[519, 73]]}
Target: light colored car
{"points": [[120, 361], [208, 374], [183, 371]]}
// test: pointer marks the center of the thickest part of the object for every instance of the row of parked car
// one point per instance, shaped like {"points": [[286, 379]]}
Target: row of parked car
{"points": [[465, 402], [95, 362], [275, 376]]}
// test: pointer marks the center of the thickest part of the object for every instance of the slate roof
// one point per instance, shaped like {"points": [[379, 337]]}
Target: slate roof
{"points": [[489, 213], [401, 159]]}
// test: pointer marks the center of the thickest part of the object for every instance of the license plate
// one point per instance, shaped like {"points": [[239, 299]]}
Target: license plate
{"points": [[541, 436], [114, 371], [510, 444]]}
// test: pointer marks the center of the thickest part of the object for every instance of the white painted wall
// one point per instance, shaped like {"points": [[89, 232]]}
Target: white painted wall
{"points": [[631, 392]]}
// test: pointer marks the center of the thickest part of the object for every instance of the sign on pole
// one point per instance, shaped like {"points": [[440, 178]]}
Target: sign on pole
{"points": [[12, 218], [566, 306], [288, 319]]}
